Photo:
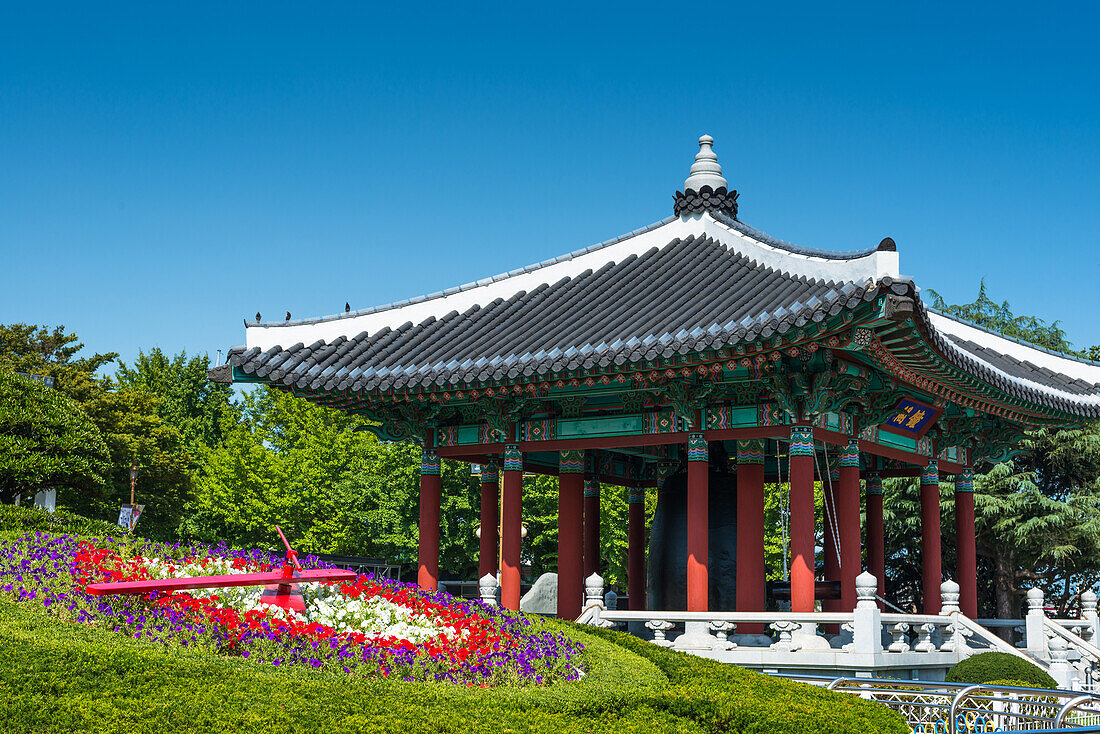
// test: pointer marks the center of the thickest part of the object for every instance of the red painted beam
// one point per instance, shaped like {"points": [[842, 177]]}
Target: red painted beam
{"points": [[431, 487], [489, 543], [511, 529], [635, 564], [930, 556], [869, 447], [802, 519], [698, 543], [220, 582], [750, 572], [965, 544], [570, 544], [876, 550]]}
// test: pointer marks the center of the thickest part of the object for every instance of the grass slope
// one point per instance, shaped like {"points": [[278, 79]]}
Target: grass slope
{"points": [[58, 677], [61, 677]]}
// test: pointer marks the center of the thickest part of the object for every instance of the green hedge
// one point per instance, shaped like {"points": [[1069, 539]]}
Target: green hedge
{"points": [[996, 666], [59, 677], [727, 698], [18, 520]]}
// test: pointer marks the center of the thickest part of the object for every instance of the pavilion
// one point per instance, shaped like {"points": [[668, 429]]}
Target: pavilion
{"points": [[693, 337]]}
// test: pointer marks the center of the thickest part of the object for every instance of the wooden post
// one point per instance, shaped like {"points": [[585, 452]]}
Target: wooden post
{"points": [[570, 533], [802, 518], [750, 531], [591, 526], [931, 561], [431, 487], [830, 538], [511, 527], [966, 551], [635, 563], [848, 525], [876, 546], [697, 523], [488, 546]]}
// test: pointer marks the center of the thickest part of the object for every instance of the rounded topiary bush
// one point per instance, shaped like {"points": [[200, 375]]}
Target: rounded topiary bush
{"points": [[15, 520], [999, 666]]}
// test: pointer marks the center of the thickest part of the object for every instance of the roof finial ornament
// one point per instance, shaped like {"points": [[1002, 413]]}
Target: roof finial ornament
{"points": [[705, 187], [705, 171]]}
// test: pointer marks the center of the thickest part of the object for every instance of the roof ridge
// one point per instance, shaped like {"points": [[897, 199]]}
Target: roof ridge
{"points": [[471, 285], [766, 239]]}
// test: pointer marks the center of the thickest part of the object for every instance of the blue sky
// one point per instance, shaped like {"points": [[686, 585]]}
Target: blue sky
{"points": [[164, 175]]}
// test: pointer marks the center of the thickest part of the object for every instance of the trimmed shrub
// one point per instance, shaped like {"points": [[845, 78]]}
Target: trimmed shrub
{"points": [[62, 677], [1010, 682], [999, 666], [18, 520]]}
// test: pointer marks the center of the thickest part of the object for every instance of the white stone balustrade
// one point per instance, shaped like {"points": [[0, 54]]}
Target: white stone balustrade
{"points": [[920, 642]]}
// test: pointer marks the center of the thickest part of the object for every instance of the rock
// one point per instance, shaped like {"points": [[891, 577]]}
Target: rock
{"points": [[542, 597]]}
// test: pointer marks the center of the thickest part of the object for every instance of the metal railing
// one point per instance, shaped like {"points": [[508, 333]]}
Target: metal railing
{"points": [[959, 708]]}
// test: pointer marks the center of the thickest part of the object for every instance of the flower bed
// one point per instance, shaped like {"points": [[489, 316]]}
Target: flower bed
{"points": [[371, 627]]}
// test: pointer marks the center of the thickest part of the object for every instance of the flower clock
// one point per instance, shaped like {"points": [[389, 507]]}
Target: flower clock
{"points": [[252, 605]]}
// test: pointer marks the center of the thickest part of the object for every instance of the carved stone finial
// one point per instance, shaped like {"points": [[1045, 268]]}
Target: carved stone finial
{"points": [[705, 171], [1035, 599], [593, 588], [949, 597], [866, 588], [487, 588], [1088, 601], [705, 188]]}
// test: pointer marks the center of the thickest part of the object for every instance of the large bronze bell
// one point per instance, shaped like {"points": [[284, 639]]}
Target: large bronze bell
{"points": [[666, 587]]}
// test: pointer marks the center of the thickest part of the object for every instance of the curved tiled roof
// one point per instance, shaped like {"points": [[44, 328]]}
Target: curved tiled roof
{"points": [[688, 295], [1059, 381], [681, 285]]}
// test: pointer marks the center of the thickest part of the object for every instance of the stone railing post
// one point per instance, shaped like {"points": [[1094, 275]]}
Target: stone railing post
{"points": [[1089, 616], [1034, 630], [955, 637], [949, 597], [488, 587], [593, 602], [593, 591], [867, 617], [1060, 669], [611, 600]]}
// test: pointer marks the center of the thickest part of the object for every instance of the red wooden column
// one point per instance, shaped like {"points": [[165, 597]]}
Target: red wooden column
{"points": [[876, 545], [635, 562], [570, 533], [591, 526], [830, 540], [847, 510], [697, 523], [964, 534], [802, 518], [931, 561], [511, 527], [431, 487], [488, 560], [750, 531]]}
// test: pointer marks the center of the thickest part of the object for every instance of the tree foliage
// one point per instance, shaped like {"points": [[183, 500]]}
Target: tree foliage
{"points": [[199, 410], [985, 312], [135, 433], [46, 441], [1037, 515], [39, 350]]}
